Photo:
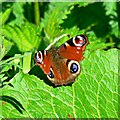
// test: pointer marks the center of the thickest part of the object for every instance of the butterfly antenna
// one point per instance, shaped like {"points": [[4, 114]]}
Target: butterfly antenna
{"points": [[55, 40], [32, 66]]}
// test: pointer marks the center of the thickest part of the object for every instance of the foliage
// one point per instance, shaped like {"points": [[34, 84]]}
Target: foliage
{"points": [[28, 27]]}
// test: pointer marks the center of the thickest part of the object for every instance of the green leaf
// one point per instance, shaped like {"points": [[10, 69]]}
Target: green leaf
{"points": [[18, 12], [5, 15], [53, 17], [93, 95], [111, 9], [25, 37], [96, 43], [5, 47]]}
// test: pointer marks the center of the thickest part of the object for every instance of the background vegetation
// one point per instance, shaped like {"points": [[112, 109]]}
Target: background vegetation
{"points": [[28, 27]]}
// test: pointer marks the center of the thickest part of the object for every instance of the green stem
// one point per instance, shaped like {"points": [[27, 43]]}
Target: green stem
{"points": [[37, 12]]}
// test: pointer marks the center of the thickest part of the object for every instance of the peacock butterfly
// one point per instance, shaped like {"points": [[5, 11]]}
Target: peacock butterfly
{"points": [[62, 65]]}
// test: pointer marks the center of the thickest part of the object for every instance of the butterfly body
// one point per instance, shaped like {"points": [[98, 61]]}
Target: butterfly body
{"points": [[62, 65]]}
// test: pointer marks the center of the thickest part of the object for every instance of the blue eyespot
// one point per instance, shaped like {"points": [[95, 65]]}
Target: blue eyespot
{"points": [[73, 68], [50, 74]]}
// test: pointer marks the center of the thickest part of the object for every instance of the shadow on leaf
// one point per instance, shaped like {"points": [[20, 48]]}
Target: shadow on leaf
{"points": [[13, 102]]}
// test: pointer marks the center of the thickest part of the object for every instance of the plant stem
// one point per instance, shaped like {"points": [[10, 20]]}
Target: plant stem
{"points": [[37, 13]]}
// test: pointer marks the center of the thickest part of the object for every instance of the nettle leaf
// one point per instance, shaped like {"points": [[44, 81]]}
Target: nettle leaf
{"points": [[111, 10], [53, 17], [18, 12], [5, 15], [93, 95], [25, 37]]}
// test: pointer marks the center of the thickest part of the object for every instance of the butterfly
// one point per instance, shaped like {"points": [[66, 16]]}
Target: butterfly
{"points": [[62, 65]]}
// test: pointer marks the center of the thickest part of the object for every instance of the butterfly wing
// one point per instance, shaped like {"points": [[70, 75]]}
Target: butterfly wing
{"points": [[42, 59], [62, 71], [62, 65], [73, 48], [64, 74]]}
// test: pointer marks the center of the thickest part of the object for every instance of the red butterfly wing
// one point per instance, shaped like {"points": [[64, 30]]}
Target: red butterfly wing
{"points": [[73, 48], [42, 59], [62, 65]]}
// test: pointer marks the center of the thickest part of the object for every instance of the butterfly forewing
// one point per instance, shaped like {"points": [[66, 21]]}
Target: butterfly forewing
{"points": [[73, 48], [43, 59]]}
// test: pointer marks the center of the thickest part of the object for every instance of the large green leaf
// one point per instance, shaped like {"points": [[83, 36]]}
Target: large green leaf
{"points": [[93, 95]]}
